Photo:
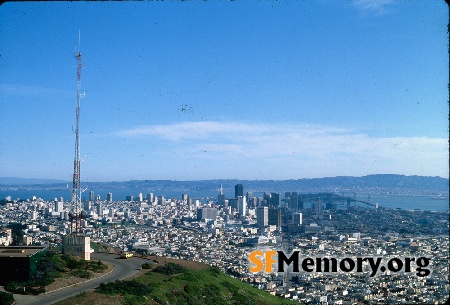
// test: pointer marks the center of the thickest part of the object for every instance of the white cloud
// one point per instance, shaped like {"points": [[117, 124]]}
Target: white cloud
{"points": [[203, 130], [301, 147], [375, 6]]}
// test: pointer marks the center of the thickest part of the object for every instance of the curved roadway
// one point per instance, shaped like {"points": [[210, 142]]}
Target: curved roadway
{"points": [[123, 268]]}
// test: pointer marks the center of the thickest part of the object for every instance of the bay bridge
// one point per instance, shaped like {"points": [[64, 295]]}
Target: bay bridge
{"points": [[333, 197]]}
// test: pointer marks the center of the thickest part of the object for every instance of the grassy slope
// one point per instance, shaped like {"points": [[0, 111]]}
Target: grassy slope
{"points": [[191, 287]]}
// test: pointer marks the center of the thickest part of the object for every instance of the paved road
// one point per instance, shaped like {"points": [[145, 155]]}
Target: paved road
{"points": [[123, 268]]}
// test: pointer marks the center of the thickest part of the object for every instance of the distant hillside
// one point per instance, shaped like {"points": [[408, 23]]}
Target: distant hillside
{"points": [[27, 181], [382, 182], [197, 287]]}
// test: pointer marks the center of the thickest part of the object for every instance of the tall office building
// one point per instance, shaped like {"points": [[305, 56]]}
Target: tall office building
{"points": [[238, 190], [99, 209], [319, 209], [150, 198], [184, 199], [287, 202], [109, 197], [249, 196], [87, 206], [242, 205], [221, 196], [275, 200], [141, 198], [297, 218], [262, 217], [294, 203], [259, 201], [206, 213], [300, 203], [59, 206], [232, 203], [91, 196], [252, 202], [275, 217]]}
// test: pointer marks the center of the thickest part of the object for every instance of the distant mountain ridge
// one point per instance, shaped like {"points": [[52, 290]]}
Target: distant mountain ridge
{"points": [[28, 181], [379, 181]]}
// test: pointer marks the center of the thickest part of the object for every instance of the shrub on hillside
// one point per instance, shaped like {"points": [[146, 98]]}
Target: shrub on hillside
{"points": [[81, 273], [97, 266], [189, 276], [124, 287], [169, 268], [6, 298], [14, 287], [214, 270], [73, 263], [28, 287]]}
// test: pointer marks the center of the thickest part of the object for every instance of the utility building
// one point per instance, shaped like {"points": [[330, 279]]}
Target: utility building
{"points": [[77, 245], [19, 263]]}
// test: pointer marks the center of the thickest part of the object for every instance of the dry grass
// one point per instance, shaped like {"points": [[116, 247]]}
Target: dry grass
{"points": [[93, 298], [67, 279], [161, 261]]}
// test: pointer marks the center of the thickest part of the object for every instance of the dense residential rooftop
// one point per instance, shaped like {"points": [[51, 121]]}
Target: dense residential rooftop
{"points": [[182, 228]]}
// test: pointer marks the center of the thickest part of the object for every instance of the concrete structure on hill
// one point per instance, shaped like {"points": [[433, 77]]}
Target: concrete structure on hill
{"points": [[19, 263], [77, 245]]}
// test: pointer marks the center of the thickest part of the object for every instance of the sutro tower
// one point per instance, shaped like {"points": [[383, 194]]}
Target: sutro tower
{"points": [[77, 244], [76, 185]]}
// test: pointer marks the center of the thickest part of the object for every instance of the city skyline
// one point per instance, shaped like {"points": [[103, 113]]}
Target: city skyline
{"points": [[225, 90]]}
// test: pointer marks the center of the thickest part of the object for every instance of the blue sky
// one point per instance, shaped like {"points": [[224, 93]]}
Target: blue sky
{"points": [[191, 90]]}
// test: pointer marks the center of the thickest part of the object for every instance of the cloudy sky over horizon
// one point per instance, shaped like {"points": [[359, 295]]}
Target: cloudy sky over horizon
{"points": [[225, 90]]}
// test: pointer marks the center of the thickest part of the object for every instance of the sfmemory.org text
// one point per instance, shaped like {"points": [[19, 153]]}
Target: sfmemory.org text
{"points": [[264, 260]]}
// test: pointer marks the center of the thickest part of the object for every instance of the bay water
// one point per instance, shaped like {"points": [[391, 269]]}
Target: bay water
{"points": [[409, 202]]}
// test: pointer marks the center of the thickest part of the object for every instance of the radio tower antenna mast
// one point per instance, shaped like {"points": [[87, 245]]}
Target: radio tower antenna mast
{"points": [[77, 244], [76, 184]]}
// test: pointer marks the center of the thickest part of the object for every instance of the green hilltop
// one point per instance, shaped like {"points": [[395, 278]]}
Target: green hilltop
{"points": [[174, 284]]}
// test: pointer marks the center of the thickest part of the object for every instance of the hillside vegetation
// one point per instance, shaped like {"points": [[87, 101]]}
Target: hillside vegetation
{"points": [[174, 284], [52, 266]]}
